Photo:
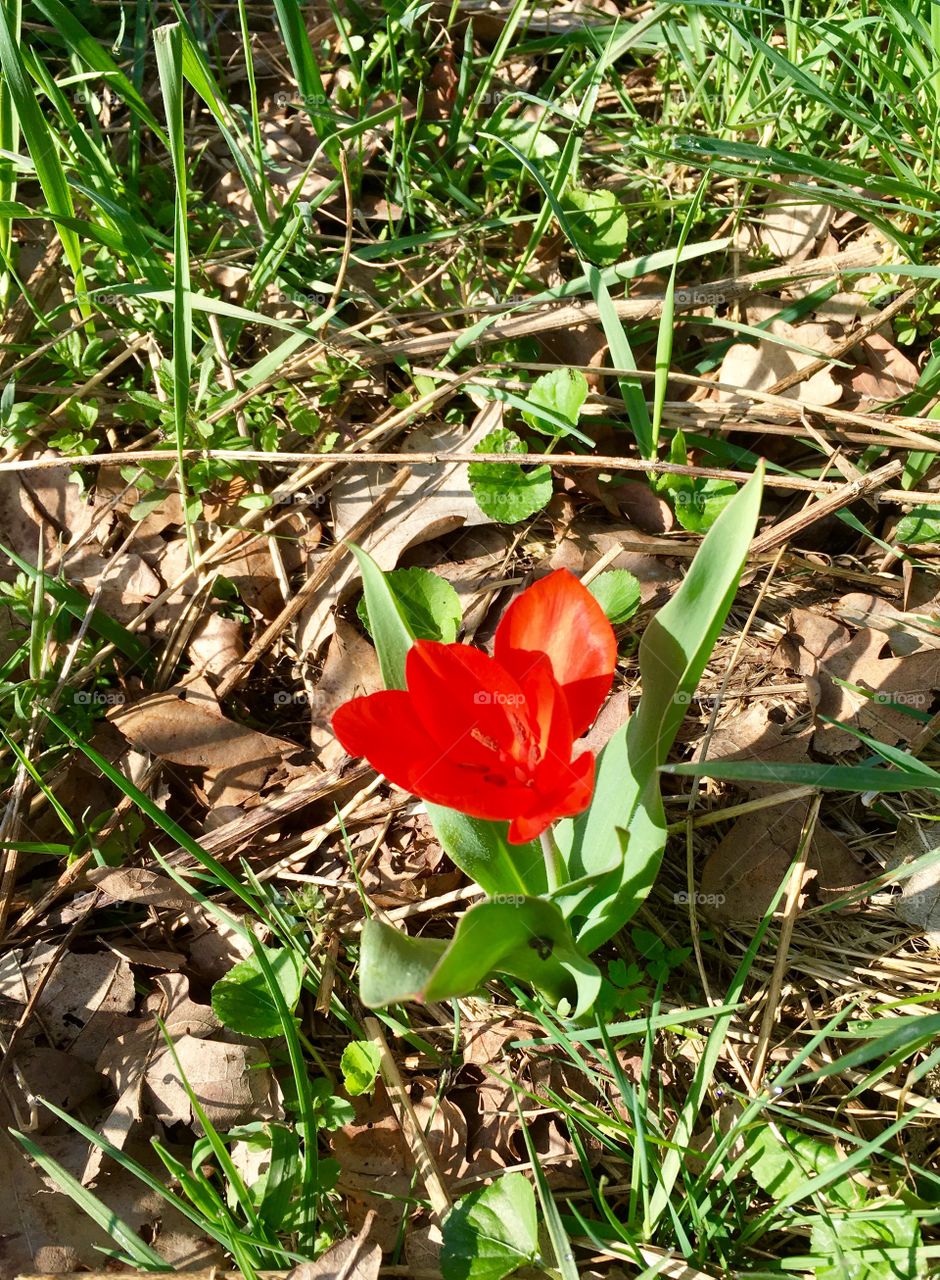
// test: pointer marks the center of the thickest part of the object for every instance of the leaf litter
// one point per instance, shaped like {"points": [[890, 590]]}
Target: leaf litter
{"points": [[91, 1042]]}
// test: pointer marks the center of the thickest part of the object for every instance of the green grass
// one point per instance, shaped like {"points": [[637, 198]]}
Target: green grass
{"points": [[114, 135]]}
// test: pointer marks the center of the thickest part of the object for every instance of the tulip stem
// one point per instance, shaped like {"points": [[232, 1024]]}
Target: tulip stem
{"points": [[554, 868]]}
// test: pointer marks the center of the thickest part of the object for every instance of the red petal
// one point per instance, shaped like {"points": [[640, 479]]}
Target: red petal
{"points": [[386, 730], [465, 697], [570, 794], [560, 618]]}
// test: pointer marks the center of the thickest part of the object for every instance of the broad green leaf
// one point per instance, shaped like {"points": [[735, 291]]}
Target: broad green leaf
{"points": [[492, 1232], [479, 848], [699, 505], [503, 491], [864, 1246], [618, 594], [922, 524], [389, 630], [562, 390], [613, 851], [429, 604], [360, 1065], [781, 1165], [598, 223], [523, 937], [242, 1000], [482, 851]]}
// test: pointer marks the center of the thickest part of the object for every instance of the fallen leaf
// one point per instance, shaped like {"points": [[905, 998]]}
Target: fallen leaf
{"points": [[43, 505], [790, 228], [127, 582], [180, 1014], [918, 903], [377, 1167], [83, 1004], [185, 726], [356, 1258], [755, 368], [743, 873], [41, 1230], [231, 1082], [351, 670], [136, 884], [885, 374], [758, 733], [827, 653], [907, 632], [435, 500], [586, 542], [217, 645]]}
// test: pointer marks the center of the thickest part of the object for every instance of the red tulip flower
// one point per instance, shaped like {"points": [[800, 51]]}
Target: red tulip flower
{"points": [[493, 737]]}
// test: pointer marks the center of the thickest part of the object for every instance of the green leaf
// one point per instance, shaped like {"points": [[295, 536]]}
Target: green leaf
{"points": [[360, 1065], [137, 1252], [429, 604], [242, 1000], [781, 1165], [482, 851], [562, 390], [598, 224], [922, 524], [523, 937], [618, 594], [388, 627], [613, 851], [828, 777], [839, 1243], [43, 152], [699, 505], [492, 1232], [503, 491]]}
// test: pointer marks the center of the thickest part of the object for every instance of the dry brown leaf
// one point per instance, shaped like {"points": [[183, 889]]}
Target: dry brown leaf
{"points": [[53, 1074], [435, 500], [758, 733], [127, 583], [791, 228], [743, 873], [579, 344], [885, 374], [356, 1258], [136, 884], [216, 947], [376, 1162], [181, 1014], [85, 1001], [231, 1082], [755, 368], [918, 903], [185, 726], [826, 652], [586, 542], [217, 645], [41, 1230], [614, 713], [351, 670], [906, 632], [45, 500]]}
